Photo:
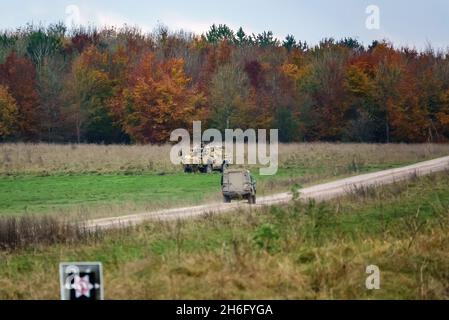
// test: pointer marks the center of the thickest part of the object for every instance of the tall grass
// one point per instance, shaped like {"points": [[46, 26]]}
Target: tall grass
{"points": [[53, 158], [30, 231], [298, 251]]}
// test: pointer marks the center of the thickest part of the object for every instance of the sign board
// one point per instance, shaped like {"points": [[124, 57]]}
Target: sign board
{"points": [[81, 281]]}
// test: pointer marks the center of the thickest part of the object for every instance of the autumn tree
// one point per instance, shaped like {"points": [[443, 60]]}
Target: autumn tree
{"points": [[81, 38], [442, 116], [363, 124], [155, 100], [50, 87], [260, 97], [229, 99], [44, 42], [90, 86], [7, 43], [105, 85], [8, 113], [19, 75], [323, 110], [431, 82]]}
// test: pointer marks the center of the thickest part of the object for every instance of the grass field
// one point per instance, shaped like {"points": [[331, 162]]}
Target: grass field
{"points": [[303, 250], [95, 180]]}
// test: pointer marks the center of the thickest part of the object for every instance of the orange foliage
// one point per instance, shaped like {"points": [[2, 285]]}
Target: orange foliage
{"points": [[291, 70], [19, 75], [156, 100], [8, 112], [224, 52]]}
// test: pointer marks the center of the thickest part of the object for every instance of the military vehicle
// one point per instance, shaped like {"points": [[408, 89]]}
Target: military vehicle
{"points": [[238, 184], [205, 159]]}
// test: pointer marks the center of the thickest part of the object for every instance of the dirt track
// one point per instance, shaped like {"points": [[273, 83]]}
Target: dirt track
{"points": [[320, 192]]}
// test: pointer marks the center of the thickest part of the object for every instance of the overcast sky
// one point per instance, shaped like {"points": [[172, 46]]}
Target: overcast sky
{"points": [[404, 22]]}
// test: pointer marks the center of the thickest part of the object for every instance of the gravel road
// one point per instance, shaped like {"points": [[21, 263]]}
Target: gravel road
{"points": [[321, 192]]}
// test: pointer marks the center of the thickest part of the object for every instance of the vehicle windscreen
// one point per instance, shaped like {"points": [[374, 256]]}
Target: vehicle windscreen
{"points": [[236, 180]]}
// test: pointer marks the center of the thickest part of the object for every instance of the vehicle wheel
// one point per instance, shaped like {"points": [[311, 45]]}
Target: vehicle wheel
{"points": [[226, 199], [224, 167], [251, 199], [187, 170]]}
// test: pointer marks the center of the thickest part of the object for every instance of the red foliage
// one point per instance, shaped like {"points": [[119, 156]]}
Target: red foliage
{"points": [[156, 100], [19, 75], [255, 73]]}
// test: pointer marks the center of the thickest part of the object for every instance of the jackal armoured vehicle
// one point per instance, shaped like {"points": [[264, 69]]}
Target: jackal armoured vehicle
{"points": [[205, 159]]}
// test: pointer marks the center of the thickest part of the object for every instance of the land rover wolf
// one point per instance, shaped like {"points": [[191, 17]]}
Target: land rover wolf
{"points": [[237, 185]]}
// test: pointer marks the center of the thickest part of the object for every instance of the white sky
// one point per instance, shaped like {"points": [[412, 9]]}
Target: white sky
{"points": [[412, 23]]}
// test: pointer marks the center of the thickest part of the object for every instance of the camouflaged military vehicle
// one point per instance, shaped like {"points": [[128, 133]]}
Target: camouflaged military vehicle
{"points": [[205, 159], [237, 185]]}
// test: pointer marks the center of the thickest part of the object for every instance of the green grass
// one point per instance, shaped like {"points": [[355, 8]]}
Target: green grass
{"points": [[34, 194], [302, 250], [97, 180]]}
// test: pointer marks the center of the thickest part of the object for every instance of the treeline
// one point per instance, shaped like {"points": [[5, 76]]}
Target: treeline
{"points": [[120, 85]]}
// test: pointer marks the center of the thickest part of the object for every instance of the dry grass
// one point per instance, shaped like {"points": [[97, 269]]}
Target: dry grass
{"points": [[356, 156], [313, 251], [52, 158], [29, 231], [304, 251]]}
